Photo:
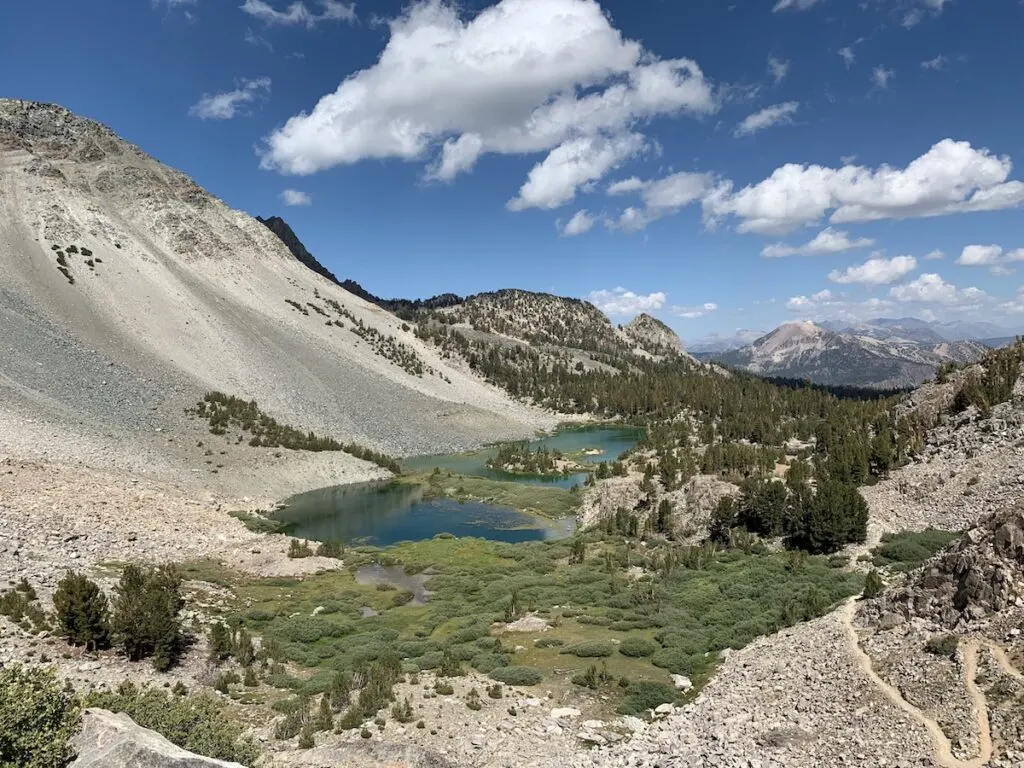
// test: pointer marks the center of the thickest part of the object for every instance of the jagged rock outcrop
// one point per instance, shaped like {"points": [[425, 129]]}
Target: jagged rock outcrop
{"points": [[653, 336], [980, 575], [109, 740], [280, 227]]}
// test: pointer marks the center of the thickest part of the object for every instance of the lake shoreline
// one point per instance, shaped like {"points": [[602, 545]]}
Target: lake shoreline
{"points": [[462, 492]]}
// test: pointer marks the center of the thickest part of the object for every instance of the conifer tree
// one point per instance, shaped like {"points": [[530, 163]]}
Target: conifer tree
{"points": [[81, 609]]}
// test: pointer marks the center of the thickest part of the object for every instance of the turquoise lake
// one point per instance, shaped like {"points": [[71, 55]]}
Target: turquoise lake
{"points": [[385, 513]]}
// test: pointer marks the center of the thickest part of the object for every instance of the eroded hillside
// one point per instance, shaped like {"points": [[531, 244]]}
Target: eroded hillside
{"points": [[129, 291]]}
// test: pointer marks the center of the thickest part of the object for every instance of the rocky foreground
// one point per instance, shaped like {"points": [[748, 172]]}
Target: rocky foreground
{"points": [[856, 687]]}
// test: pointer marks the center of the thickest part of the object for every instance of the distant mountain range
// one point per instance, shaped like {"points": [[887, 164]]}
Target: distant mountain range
{"points": [[883, 354]]}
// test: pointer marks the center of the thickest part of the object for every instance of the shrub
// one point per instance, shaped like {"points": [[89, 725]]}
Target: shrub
{"points": [[196, 723], [549, 642], [402, 711], [145, 617], [873, 584], [306, 738], [38, 717], [332, 548], [906, 551], [495, 691], [297, 549], [943, 645], [517, 675], [646, 695], [473, 700], [590, 649], [637, 647], [443, 688]]}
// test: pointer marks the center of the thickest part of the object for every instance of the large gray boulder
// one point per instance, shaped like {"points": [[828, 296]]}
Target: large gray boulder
{"points": [[109, 740]]}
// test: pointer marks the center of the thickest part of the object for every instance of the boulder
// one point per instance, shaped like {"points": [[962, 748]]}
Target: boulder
{"points": [[109, 740], [682, 682]]}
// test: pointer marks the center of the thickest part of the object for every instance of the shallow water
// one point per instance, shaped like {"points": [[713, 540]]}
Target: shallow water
{"points": [[605, 442], [385, 513], [397, 577]]}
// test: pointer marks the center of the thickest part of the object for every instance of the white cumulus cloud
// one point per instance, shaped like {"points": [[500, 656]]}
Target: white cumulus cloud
{"points": [[224, 106], [992, 256], [778, 114], [829, 240], [622, 302], [951, 177], [581, 222], [875, 271], [518, 78], [553, 181], [295, 197], [298, 13], [930, 288]]}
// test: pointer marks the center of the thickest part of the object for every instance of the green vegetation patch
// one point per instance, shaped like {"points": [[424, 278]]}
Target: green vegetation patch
{"points": [[225, 412], [199, 724], [543, 500], [680, 615], [909, 550]]}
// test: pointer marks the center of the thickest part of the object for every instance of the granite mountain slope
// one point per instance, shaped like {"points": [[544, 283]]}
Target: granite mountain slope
{"points": [[129, 291]]}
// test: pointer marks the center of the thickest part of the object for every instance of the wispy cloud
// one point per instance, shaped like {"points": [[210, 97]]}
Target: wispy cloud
{"points": [[258, 40], [796, 5], [778, 114], [847, 55], [939, 62], [829, 240], [696, 311], [881, 76], [292, 197], [224, 106], [298, 14], [778, 69]]}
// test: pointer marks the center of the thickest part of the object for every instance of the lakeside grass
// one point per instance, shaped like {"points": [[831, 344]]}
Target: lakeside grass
{"points": [[708, 602], [544, 500]]}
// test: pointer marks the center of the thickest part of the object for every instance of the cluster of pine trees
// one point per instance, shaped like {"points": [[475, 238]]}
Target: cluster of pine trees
{"points": [[736, 426], [142, 619]]}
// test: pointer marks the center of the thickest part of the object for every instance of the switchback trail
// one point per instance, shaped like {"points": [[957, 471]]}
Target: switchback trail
{"points": [[943, 754]]}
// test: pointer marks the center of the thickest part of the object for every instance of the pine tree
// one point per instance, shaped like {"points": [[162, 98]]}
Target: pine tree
{"points": [[145, 614], [81, 609]]}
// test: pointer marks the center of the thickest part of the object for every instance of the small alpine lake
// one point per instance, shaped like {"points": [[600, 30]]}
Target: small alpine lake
{"points": [[458, 495]]}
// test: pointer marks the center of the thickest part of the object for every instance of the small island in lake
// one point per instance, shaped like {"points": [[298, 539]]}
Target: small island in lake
{"points": [[518, 459]]}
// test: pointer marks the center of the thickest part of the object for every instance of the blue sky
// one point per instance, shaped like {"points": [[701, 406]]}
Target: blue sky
{"points": [[718, 165]]}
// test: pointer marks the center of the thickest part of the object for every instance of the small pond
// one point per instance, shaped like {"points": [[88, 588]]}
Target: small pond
{"points": [[595, 444], [385, 513]]}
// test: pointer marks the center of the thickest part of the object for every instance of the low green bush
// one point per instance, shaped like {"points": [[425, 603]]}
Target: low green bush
{"points": [[590, 649], [638, 647], [38, 717], [642, 696], [196, 723], [943, 645], [517, 675], [549, 642]]}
